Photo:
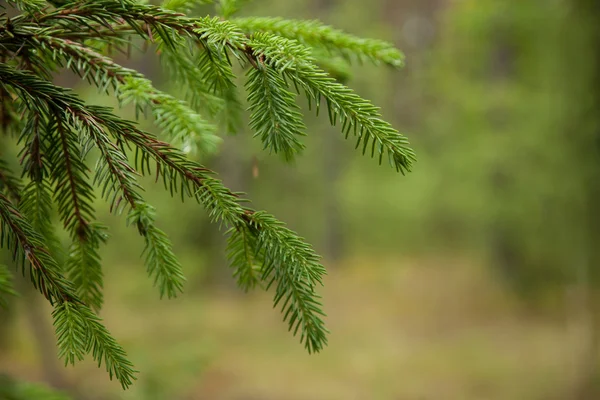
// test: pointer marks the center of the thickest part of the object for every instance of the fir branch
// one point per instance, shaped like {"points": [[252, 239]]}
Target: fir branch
{"points": [[356, 114], [213, 34], [218, 37], [113, 173], [191, 81], [29, 5], [104, 348], [261, 249], [293, 266], [294, 256], [33, 158], [36, 201], [73, 193], [84, 265], [74, 199], [160, 261], [275, 117], [316, 34], [186, 128], [241, 251], [26, 245], [80, 331], [119, 183], [179, 123], [36, 205], [190, 73], [117, 175], [296, 268], [71, 333]]}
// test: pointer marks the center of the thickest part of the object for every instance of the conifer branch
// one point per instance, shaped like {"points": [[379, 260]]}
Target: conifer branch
{"points": [[58, 130], [275, 117], [36, 205], [160, 261], [26, 245], [218, 38], [315, 34], [94, 120], [80, 331], [241, 251], [36, 201], [74, 199], [294, 62], [118, 182], [28, 5], [180, 124]]}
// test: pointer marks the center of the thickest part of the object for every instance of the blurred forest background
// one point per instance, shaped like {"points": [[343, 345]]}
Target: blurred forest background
{"points": [[473, 277]]}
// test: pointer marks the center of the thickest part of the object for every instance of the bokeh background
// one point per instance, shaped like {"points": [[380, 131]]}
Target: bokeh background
{"points": [[473, 277]]}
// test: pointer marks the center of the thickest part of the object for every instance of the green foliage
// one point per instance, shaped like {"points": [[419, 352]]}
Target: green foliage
{"points": [[160, 260], [58, 134], [275, 115], [12, 390]]}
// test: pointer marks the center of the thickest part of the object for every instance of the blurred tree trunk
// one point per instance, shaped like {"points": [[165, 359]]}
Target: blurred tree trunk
{"points": [[43, 333], [582, 62], [333, 163], [505, 254], [333, 238]]}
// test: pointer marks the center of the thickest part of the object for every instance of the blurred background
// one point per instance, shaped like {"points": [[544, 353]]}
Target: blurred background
{"points": [[474, 277]]}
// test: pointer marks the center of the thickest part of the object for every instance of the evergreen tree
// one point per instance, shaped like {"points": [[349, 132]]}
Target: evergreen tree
{"points": [[57, 134]]}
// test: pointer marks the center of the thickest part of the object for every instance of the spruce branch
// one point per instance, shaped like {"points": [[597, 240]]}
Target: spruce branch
{"points": [[58, 131], [180, 124], [193, 84], [80, 331], [160, 261], [26, 245], [193, 180], [220, 38], [36, 200], [84, 266], [113, 170], [241, 251], [28, 5], [296, 268], [316, 34], [356, 114], [185, 128], [275, 117], [118, 182], [74, 198], [36, 205]]}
